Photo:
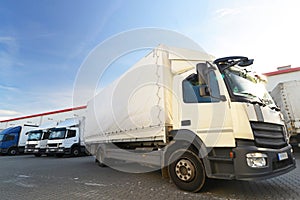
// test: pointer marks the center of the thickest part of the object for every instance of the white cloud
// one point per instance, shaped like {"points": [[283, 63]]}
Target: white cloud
{"points": [[8, 88], [264, 30], [8, 114], [10, 48], [223, 12]]}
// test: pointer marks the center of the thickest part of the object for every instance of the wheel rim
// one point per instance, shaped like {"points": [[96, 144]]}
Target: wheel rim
{"points": [[76, 152], [185, 170], [13, 152]]}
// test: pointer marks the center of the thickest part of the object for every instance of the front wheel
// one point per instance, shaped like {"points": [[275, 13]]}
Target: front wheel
{"points": [[12, 151], [75, 151], [186, 170]]}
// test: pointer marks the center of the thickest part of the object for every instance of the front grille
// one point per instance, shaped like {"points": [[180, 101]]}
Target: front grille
{"points": [[268, 135], [52, 145], [30, 146]]}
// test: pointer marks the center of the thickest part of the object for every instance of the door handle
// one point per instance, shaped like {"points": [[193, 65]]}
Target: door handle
{"points": [[186, 123]]}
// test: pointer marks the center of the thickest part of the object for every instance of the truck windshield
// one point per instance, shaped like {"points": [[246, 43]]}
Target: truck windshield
{"points": [[57, 133], [246, 86], [34, 136]]}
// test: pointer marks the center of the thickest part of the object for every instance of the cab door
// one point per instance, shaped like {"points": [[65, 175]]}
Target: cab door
{"points": [[71, 137], [205, 107]]}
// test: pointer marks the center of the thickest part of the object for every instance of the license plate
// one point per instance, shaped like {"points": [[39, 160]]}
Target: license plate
{"points": [[52, 149], [283, 156]]}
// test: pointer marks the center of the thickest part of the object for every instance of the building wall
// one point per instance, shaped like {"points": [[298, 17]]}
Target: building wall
{"points": [[273, 80], [40, 119]]}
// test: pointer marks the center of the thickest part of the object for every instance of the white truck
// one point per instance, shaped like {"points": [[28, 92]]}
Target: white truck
{"points": [[13, 139], [66, 138], [287, 97], [37, 139], [191, 116]]}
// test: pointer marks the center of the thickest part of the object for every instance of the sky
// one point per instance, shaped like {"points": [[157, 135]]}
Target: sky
{"points": [[43, 43]]}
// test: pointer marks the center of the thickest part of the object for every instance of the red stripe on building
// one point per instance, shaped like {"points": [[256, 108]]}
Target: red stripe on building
{"points": [[46, 113], [284, 71]]}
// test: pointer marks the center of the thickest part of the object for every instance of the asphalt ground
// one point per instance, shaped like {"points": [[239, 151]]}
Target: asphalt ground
{"points": [[26, 177]]}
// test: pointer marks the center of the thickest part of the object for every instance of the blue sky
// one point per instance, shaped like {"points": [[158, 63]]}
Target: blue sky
{"points": [[43, 43]]}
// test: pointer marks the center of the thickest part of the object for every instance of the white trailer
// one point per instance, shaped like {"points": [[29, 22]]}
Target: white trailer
{"points": [[66, 138], [287, 97], [192, 117]]}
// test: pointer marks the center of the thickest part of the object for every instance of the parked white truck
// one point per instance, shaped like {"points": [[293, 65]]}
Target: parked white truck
{"points": [[66, 138], [37, 139], [193, 117], [287, 97]]}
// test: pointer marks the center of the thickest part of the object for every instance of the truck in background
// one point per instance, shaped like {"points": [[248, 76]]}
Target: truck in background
{"points": [[13, 139], [36, 120], [287, 97], [191, 116], [37, 139], [66, 138]]}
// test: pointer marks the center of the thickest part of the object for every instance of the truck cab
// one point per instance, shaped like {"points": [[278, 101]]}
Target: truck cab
{"points": [[37, 141], [65, 139], [13, 139], [232, 121]]}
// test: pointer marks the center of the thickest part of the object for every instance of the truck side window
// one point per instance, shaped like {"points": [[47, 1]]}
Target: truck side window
{"points": [[71, 133], [190, 89], [214, 87], [10, 137]]}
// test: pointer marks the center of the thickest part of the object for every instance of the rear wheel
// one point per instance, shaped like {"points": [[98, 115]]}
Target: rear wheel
{"points": [[186, 170]]}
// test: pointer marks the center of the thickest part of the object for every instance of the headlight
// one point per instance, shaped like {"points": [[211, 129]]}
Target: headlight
{"points": [[257, 160]]}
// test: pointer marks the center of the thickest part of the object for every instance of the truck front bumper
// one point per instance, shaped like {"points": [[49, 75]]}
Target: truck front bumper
{"points": [[275, 162], [3, 150], [60, 150], [35, 150]]}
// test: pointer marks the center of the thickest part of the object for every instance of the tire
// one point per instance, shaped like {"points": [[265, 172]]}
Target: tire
{"points": [[75, 151], [12, 151], [37, 155], [186, 170], [100, 158]]}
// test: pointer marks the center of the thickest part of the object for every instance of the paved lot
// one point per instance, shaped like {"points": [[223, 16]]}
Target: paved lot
{"points": [[27, 177]]}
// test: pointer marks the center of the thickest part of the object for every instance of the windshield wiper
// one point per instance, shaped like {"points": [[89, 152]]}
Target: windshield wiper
{"points": [[254, 100]]}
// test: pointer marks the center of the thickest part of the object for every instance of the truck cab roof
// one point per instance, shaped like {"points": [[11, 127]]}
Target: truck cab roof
{"points": [[11, 129]]}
